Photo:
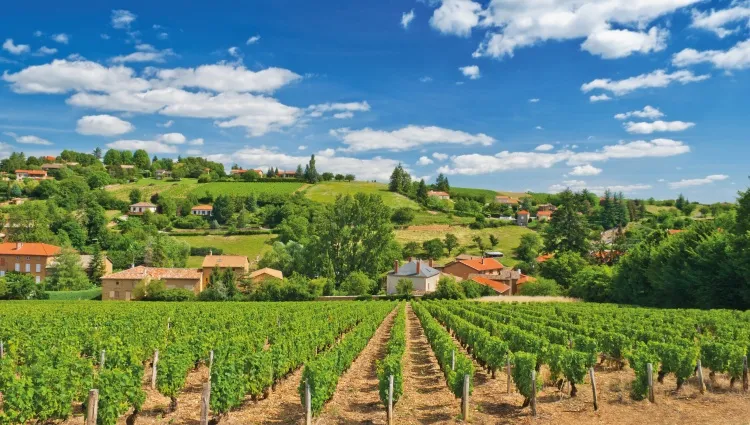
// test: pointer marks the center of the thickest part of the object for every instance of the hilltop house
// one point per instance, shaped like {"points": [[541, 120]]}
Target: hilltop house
{"points": [[47, 167], [31, 174], [266, 273], [546, 207], [32, 258], [202, 210], [120, 285], [422, 274], [466, 268], [142, 207], [440, 195], [238, 263], [522, 218], [160, 174]]}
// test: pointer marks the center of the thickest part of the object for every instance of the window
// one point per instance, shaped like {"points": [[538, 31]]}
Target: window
{"points": [[38, 279], [38, 268], [18, 267], [2, 272], [111, 294], [28, 268]]}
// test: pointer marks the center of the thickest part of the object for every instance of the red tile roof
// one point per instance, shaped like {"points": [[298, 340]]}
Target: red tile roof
{"points": [[544, 213], [141, 272], [239, 171], [32, 172], [523, 212], [544, 257], [480, 264], [203, 208], [29, 248], [496, 285], [675, 231], [225, 261]]}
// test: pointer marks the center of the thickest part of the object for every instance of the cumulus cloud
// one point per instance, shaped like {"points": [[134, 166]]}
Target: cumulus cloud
{"points": [[223, 77], [15, 49], [423, 160], [585, 170], [301, 147], [150, 146], [103, 125], [697, 182], [615, 44], [252, 40], [545, 147], [62, 76], [343, 115], [342, 110], [172, 138], [440, 156], [648, 112], [717, 21], [29, 139], [406, 18], [658, 78], [735, 58], [376, 168], [456, 17], [44, 51], [121, 19], [471, 71], [146, 53], [166, 124], [656, 126], [406, 138], [534, 100], [425, 79], [61, 38], [196, 142], [578, 185], [599, 98]]}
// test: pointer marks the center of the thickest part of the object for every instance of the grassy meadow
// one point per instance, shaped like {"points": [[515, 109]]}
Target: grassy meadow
{"points": [[326, 192]]}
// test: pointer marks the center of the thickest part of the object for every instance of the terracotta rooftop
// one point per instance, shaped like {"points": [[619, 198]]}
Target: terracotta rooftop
{"points": [[268, 271], [32, 172], [28, 248], [496, 285], [523, 212], [482, 264], [675, 231], [141, 272], [544, 213], [203, 207], [544, 257], [238, 171], [224, 261]]}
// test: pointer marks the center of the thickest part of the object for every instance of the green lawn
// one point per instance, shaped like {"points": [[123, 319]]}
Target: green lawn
{"points": [[433, 217], [510, 238], [149, 187], [326, 192], [88, 294], [248, 245], [244, 188], [489, 195]]}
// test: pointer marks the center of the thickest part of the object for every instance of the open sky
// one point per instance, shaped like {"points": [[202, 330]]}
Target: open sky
{"points": [[648, 97]]}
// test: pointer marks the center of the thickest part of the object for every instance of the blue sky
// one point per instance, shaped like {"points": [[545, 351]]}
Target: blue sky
{"points": [[645, 96]]}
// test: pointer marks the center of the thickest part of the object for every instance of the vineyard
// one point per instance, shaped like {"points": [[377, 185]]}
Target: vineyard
{"points": [[425, 362]]}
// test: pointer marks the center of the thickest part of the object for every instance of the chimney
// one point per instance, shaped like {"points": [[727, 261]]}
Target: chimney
{"points": [[482, 258], [432, 262], [19, 245], [210, 252], [419, 266], [395, 266], [410, 258]]}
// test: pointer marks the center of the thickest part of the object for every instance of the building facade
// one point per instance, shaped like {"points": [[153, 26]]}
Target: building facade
{"points": [[238, 263], [439, 195], [142, 207], [121, 285], [31, 174], [202, 210], [30, 258], [423, 276], [466, 268]]}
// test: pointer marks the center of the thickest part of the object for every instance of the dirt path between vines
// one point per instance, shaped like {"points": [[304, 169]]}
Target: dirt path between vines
{"points": [[357, 400], [426, 398]]}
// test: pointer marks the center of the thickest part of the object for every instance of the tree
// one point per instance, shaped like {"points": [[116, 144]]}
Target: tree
{"points": [[141, 159], [350, 178], [403, 216], [540, 287], [567, 229], [21, 286], [299, 174], [480, 243], [97, 267], [450, 242], [135, 196], [441, 183], [422, 192], [494, 240], [680, 202], [562, 267], [326, 177], [400, 180], [98, 152], [357, 283], [404, 287], [593, 284], [434, 248], [68, 275], [113, 157], [411, 249], [529, 247], [448, 288], [222, 211], [311, 173], [96, 179], [339, 177]]}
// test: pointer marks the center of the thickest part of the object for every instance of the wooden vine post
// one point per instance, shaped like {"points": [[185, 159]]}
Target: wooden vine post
{"points": [[205, 402], [2, 350], [390, 399], [102, 358], [453, 359], [153, 369], [210, 361], [93, 407], [308, 404], [465, 399], [650, 372], [533, 393], [701, 382], [593, 388]]}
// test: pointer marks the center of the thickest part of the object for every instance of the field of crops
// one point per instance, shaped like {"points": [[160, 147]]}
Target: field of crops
{"points": [[261, 359]]}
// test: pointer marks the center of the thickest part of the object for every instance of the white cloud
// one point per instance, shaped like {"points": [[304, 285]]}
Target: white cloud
{"points": [[697, 182], [735, 58], [406, 18], [162, 36], [38, 33], [122, 19], [166, 124], [252, 40], [516, 24], [61, 38], [326, 152], [656, 126], [104, 36], [196, 142], [539, 127], [471, 71], [716, 21], [658, 78], [544, 148], [343, 115], [585, 170], [44, 51], [144, 55], [426, 79], [62, 76], [648, 112], [343, 110], [150, 146], [28, 140], [172, 138], [15, 49], [376, 168], [440, 156], [223, 77], [234, 52], [301, 147], [579, 185], [103, 125], [406, 138], [599, 98], [456, 17], [534, 100], [423, 160], [615, 44]]}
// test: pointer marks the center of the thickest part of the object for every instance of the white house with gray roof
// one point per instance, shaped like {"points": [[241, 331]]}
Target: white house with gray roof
{"points": [[422, 274]]}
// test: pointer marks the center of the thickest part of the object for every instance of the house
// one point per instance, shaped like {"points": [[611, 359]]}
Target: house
{"points": [[47, 167], [266, 273], [506, 200], [31, 174], [240, 171], [423, 275], [27, 257], [238, 263], [543, 215], [202, 210], [508, 282], [142, 207], [546, 207], [522, 218], [49, 158], [544, 257], [160, 174], [121, 285], [465, 268], [287, 174], [86, 264], [439, 195]]}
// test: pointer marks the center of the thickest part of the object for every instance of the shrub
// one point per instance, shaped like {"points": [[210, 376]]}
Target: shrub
{"points": [[540, 287]]}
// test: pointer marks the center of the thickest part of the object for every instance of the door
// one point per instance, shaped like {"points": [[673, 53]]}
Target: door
{"points": [[127, 295]]}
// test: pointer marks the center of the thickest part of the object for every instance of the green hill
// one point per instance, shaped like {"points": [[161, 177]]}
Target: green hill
{"points": [[326, 192]]}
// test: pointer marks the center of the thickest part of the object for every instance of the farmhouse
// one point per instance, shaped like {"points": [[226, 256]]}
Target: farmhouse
{"points": [[31, 174], [522, 218], [507, 282], [543, 215], [202, 210], [439, 195], [266, 273], [32, 258], [423, 275], [160, 174], [287, 174], [47, 167], [142, 207], [121, 285], [546, 207], [238, 263], [466, 268]]}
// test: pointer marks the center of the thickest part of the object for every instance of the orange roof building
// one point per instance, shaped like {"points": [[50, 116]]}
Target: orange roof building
{"points": [[27, 257], [202, 210], [266, 273], [508, 282], [543, 215], [464, 268], [439, 194], [121, 285], [544, 257], [238, 263]]}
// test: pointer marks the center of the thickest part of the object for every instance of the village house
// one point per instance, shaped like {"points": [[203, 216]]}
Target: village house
{"points": [[506, 200], [121, 285], [161, 174], [202, 210], [507, 282], [85, 264], [440, 195], [31, 174], [238, 263], [546, 207], [49, 158], [141, 207], [266, 273], [522, 218], [47, 167], [422, 274], [480, 266], [240, 171], [287, 174], [544, 257], [543, 215], [32, 258]]}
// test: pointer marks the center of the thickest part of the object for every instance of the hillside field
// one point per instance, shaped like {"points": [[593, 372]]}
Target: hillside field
{"points": [[326, 192], [183, 187], [248, 245]]}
